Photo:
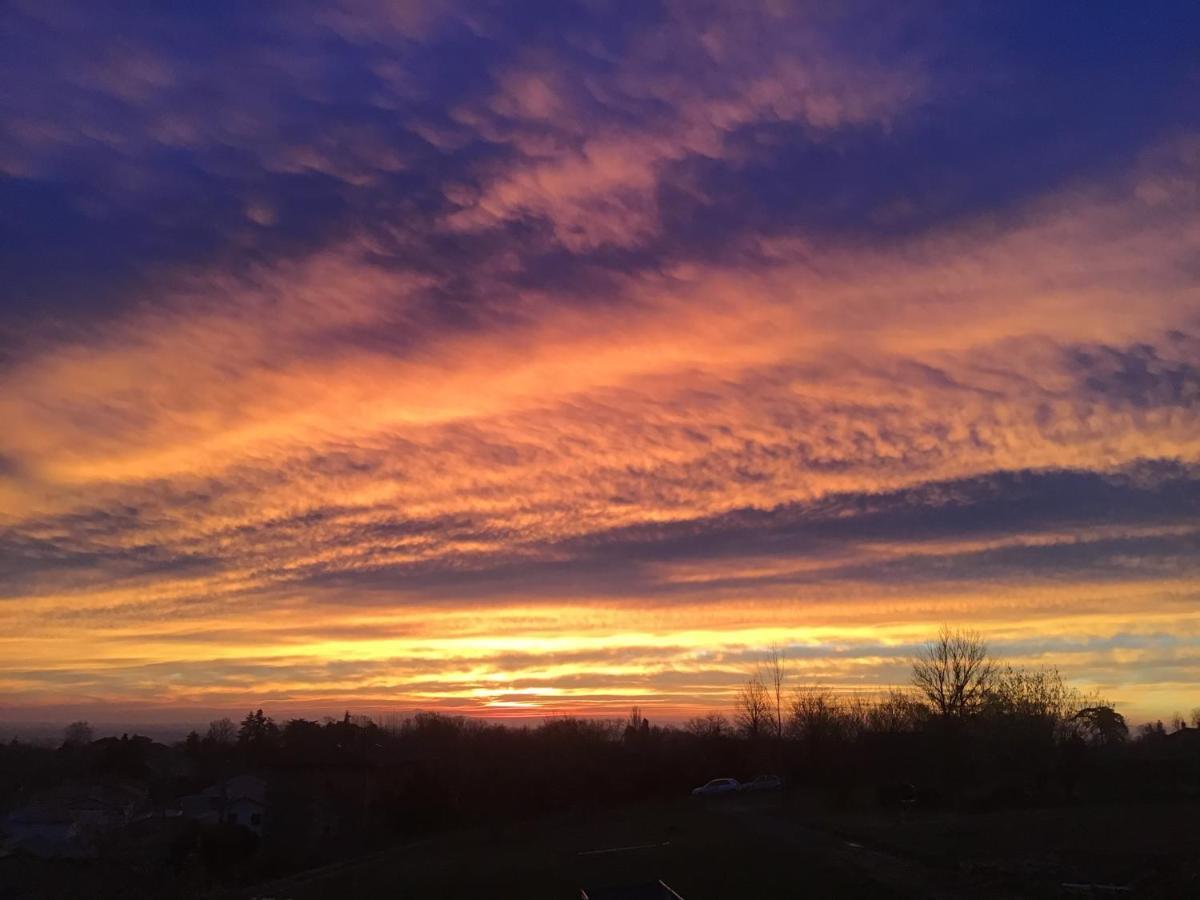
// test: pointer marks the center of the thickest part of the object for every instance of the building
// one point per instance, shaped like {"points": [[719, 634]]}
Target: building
{"points": [[70, 820], [240, 800]]}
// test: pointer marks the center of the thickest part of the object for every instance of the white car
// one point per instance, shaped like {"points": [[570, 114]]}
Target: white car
{"points": [[717, 786]]}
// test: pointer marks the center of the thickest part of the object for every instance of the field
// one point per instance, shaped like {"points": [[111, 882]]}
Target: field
{"points": [[700, 849], [784, 846], [728, 848]]}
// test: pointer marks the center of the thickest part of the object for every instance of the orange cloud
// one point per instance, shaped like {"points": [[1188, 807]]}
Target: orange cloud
{"points": [[347, 476]]}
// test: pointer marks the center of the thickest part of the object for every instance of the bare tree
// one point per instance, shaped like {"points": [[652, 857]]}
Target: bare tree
{"points": [[896, 712], [775, 674], [818, 715], [813, 715], [753, 715], [1035, 694], [636, 724], [1196, 717], [954, 672], [77, 734], [713, 725], [221, 731]]}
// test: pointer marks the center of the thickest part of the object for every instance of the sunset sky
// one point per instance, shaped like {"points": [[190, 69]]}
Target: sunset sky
{"points": [[545, 356]]}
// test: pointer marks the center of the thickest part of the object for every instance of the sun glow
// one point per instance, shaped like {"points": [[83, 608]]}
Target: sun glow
{"points": [[579, 376]]}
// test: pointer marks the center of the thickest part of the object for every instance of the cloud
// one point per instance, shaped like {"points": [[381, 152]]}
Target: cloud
{"points": [[593, 141], [570, 349]]}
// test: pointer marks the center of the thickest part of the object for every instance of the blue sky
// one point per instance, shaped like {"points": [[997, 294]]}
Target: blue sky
{"points": [[501, 357]]}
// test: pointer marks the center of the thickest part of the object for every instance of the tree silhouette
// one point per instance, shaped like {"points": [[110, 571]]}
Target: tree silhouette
{"points": [[713, 725], [754, 717], [77, 734], [775, 675], [1103, 725], [257, 730], [636, 725], [817, 717], [954, 673], [221, 732]]}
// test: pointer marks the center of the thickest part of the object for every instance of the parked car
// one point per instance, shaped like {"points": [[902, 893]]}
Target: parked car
{"points": [[716, 786], [763, 783]]}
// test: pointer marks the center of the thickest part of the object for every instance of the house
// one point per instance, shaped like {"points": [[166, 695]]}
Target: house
{"points": [[244, 811], [46, 830], [67, 822], [240, 800]]}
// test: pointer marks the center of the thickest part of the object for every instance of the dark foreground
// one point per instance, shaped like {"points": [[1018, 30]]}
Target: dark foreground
{"points": [[771, 845], [783, 846]]}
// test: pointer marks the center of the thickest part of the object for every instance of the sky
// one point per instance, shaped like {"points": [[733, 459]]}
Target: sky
{"points": [[518, 359]]}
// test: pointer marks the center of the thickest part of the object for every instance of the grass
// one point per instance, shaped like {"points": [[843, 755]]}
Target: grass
{"points": [[697, 848], [763, 846]]}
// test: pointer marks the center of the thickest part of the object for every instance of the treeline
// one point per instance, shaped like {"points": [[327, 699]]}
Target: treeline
{"points": [[967, 733]]}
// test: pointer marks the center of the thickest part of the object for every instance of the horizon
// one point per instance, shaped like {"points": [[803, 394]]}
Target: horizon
{"points": [[173, 725], [562, 358], [50, 733]]}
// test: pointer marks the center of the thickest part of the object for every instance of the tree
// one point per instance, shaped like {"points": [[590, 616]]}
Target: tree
{"points": [[301, 734], [954, 673], [816, 716], [1152, 732], [896, 713], [1040, 694], [1035, 708], [713, 725], [636, 725], [1103, 725], [754, 716], [221, 732], [259, 730], [77, 734], [775, 674]]}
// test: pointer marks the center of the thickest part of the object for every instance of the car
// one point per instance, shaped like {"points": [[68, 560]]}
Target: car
{"points": [[717, 786], [763, 783]]}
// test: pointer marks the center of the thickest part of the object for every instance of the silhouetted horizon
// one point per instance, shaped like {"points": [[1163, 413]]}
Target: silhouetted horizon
{"points": [[680, 449]]}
